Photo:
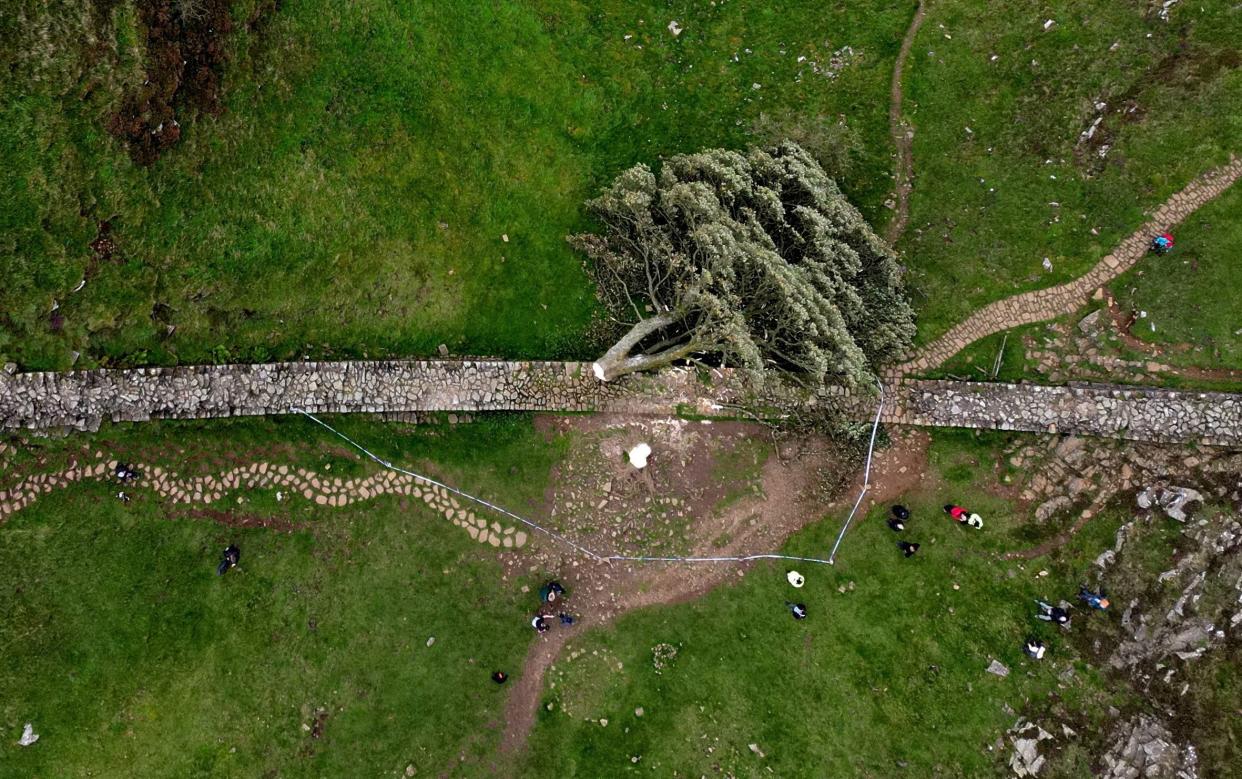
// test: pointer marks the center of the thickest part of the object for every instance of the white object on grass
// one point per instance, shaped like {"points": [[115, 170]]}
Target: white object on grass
{"points": [[795, 578], [28, 736], [639, 454]]}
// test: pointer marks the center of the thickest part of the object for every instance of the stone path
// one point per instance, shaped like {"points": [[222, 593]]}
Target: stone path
{"points": [[903, 135], [1053, 302], [287, 482]]}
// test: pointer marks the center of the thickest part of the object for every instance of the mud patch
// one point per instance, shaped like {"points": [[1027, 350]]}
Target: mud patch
{"points": [[736, 497], [1187, 70], [186, 55], [237, 519]]}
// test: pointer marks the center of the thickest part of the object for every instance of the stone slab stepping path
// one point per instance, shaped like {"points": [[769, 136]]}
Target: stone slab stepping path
{"points": [[289, 483], [1044, 304]]}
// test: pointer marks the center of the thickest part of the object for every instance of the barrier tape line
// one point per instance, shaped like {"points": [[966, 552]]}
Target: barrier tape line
{"points": [[612, 557]]}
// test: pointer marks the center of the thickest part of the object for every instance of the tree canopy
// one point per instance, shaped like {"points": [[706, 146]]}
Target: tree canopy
{"points": [[755, 261]]}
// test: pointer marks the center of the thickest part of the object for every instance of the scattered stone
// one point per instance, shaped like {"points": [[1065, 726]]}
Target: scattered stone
{"points": [[755, 748], [1171, 500], [998, 668], [1090, 324]]}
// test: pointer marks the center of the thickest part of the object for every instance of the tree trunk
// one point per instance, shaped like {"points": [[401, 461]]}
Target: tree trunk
{"points": [[618, 362]]}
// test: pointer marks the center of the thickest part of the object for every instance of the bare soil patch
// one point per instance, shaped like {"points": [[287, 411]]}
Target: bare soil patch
{"points": [[1123, 321], [727, 509], [239, 519]]}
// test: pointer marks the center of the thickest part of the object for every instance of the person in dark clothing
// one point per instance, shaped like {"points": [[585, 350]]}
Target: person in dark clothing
{"points": [[1095, 600], [549, 592], [539, 624], [123, 497], [1034, 649], [1050, 613], [566, 619], [228, 559], [797, 609], [897, 522], [500, 677], [125, 472], [907, 548]]}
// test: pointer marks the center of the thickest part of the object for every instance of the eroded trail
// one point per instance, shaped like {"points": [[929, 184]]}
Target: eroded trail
{"points": [[807, 483], [903, 135]]}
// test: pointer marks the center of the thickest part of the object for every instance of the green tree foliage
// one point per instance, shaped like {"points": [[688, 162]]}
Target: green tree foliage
{"points": [[756, 260]]}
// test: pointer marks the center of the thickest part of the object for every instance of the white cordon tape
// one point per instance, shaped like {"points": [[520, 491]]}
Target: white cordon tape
{"points": [[866, 485], [611, 557]]}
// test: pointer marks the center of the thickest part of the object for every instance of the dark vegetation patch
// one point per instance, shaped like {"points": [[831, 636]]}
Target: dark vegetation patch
{"points": [[186, 54], [1187, 69], [240, 519]]}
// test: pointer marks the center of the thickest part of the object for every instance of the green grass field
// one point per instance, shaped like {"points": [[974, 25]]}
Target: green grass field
{"points": [[353, 197], [1191, 296], [999, 103], [885, 679], [132, 658], [387, 177]]}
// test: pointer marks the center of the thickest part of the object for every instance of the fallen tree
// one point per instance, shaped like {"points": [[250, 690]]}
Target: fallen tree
{"points": [[755, 261]]}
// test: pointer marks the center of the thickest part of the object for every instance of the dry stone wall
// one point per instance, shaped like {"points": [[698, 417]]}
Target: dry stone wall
{"points": [[82, 400], [1131, 413]]}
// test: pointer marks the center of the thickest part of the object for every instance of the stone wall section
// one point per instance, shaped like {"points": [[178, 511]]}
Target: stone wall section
{"points": [[82, 400], [1130, 413]]}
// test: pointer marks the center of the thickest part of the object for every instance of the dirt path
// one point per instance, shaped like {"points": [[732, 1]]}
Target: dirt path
{"points": [[791, 498], [1123, 321], [903, 135], [1044, 304]]}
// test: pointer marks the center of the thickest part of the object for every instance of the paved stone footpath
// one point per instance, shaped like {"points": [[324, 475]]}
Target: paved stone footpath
{"points": [[1044, 304]]}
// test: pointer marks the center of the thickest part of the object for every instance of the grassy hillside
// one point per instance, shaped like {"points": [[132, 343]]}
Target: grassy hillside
{"points": [[1001, 100], [132, 658], [353, 190]]}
